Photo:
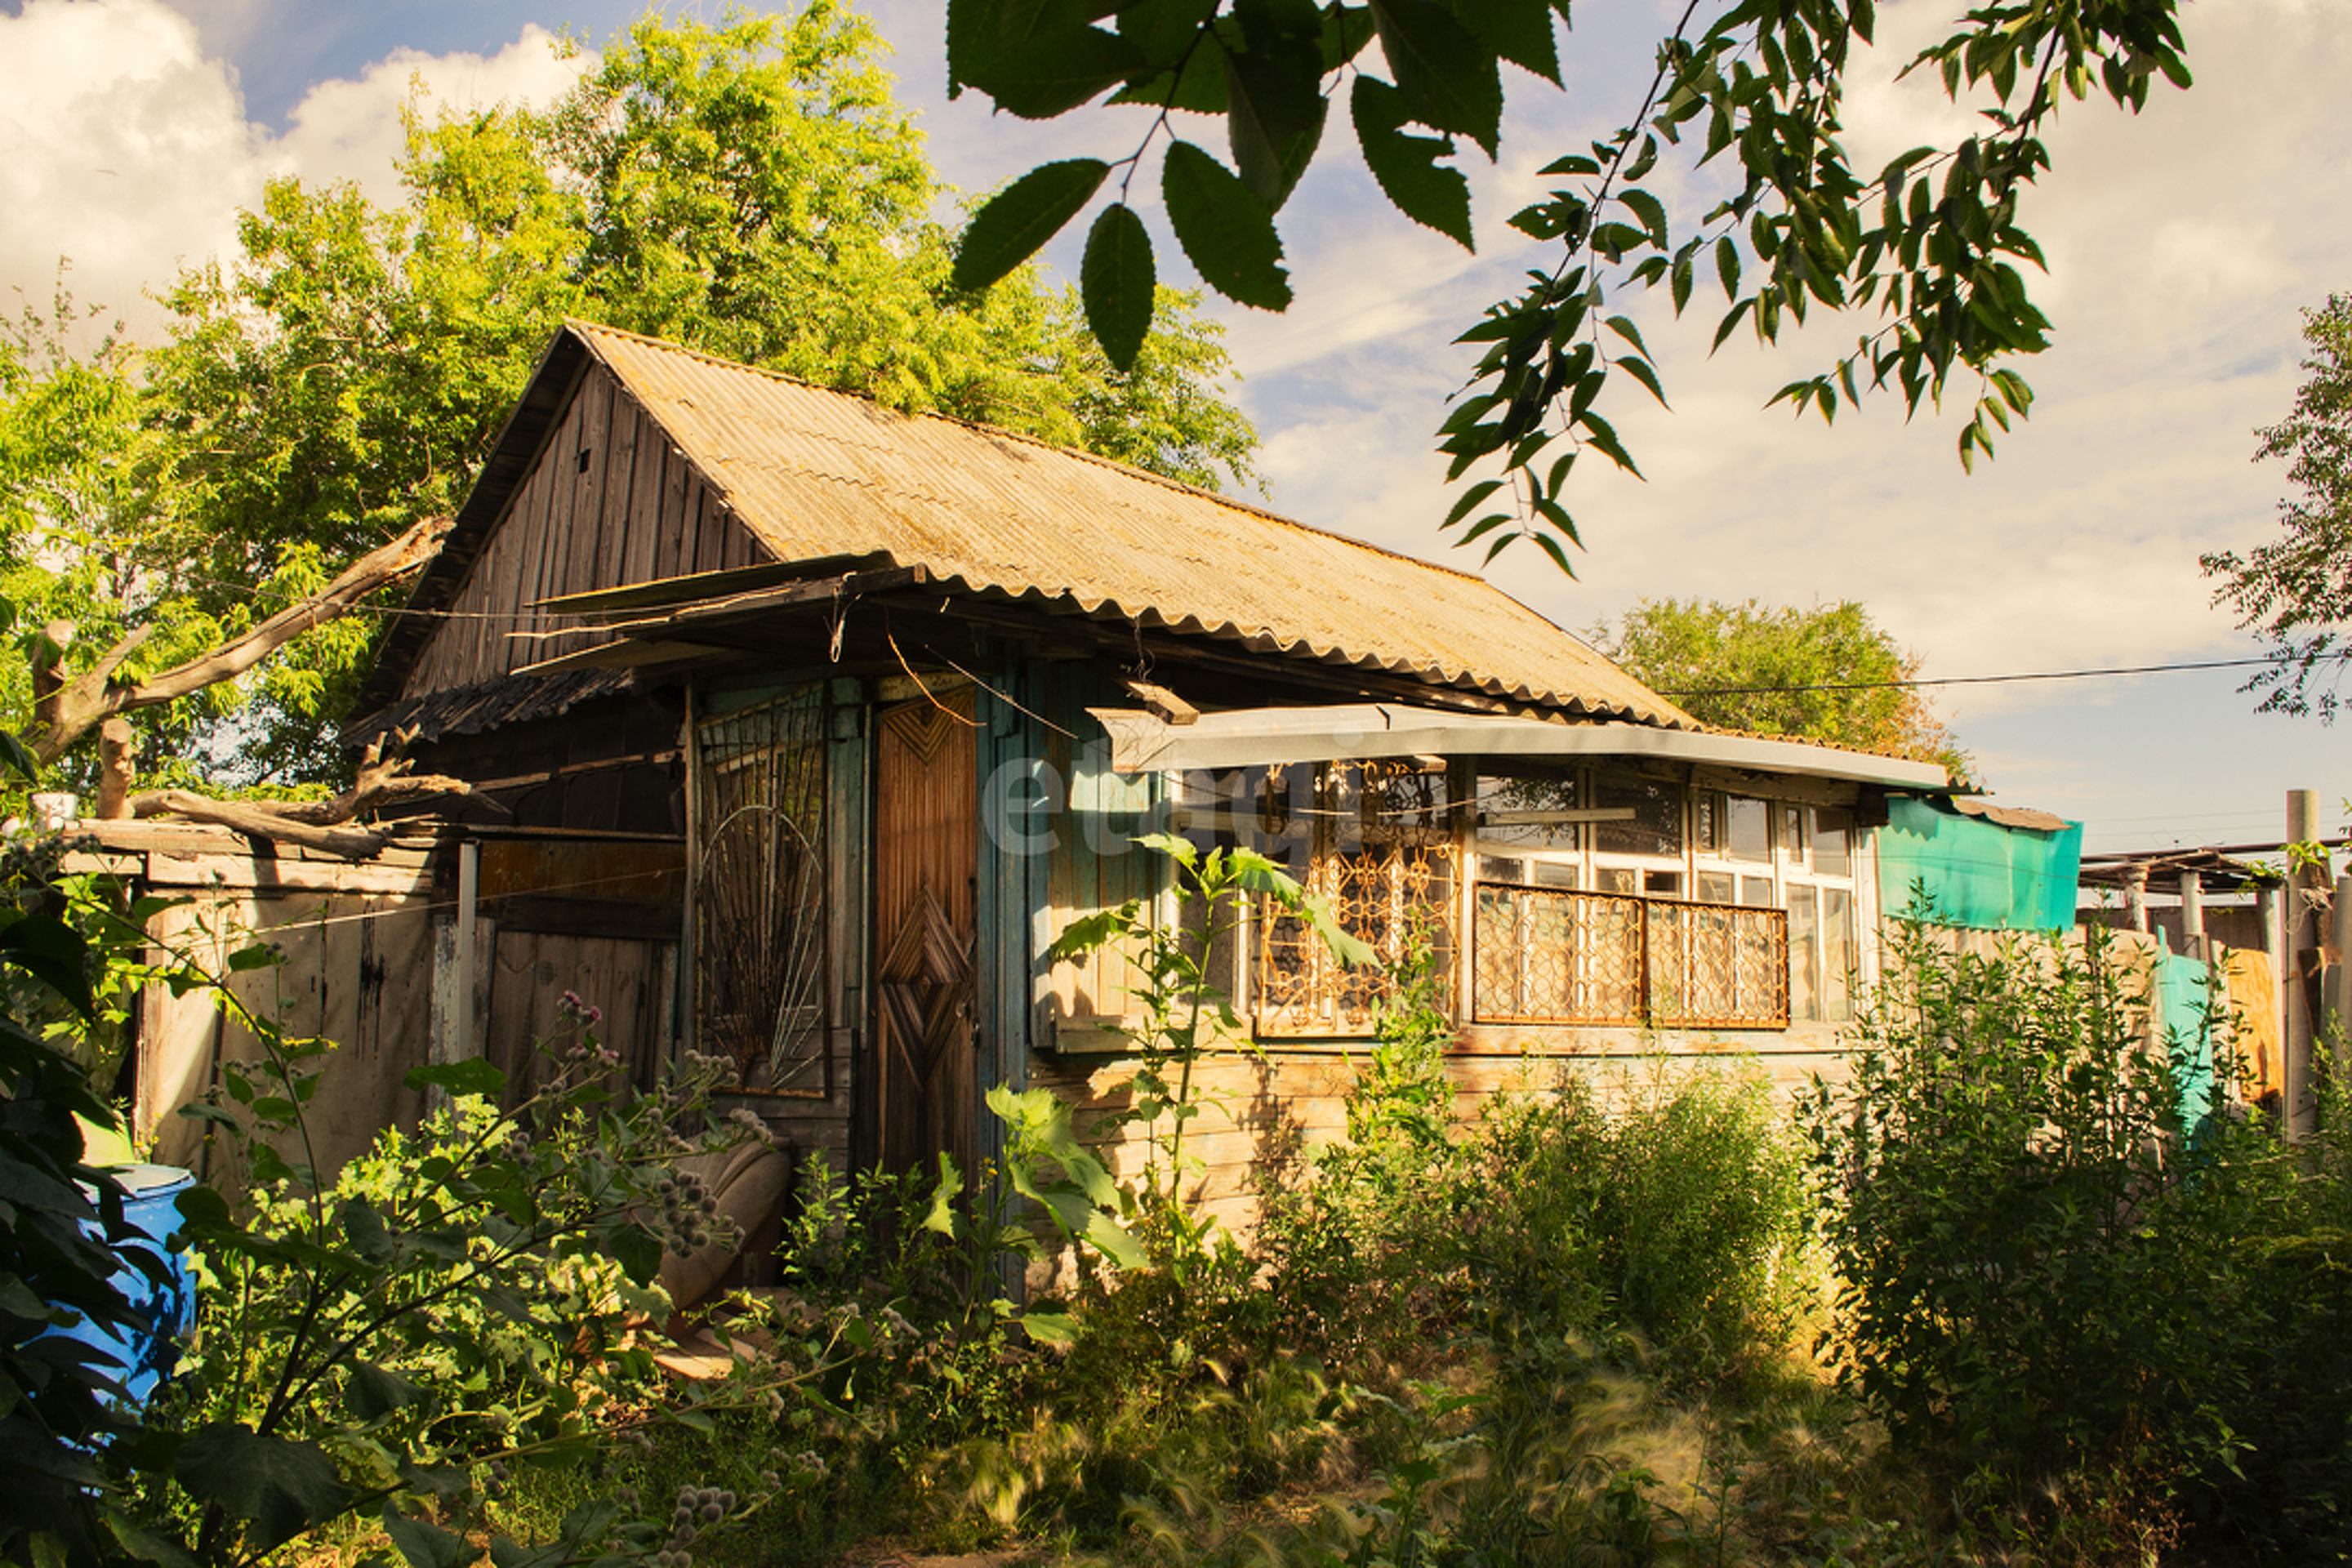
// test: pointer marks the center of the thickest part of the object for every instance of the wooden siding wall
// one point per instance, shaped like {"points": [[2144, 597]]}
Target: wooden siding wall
{"points": [[609, 502], [358, 944], [1087, 861]]}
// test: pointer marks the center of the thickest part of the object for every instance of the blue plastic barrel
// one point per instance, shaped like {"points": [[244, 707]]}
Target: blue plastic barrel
{"points": [[143, 1355]]}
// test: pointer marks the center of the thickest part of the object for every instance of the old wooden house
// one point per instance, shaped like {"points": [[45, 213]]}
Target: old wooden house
{"points": [[826, 719]]}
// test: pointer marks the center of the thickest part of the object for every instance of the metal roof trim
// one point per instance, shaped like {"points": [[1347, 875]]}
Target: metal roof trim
{"points": [[1141, 742]]}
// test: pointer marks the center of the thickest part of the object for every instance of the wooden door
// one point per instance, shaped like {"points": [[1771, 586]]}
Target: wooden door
{"points": [[926, 869]]}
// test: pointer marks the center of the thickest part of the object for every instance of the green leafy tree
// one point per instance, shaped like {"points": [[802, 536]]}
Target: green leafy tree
{"points": [[1823, 674], [2297, 590], [749, 188], [1750, 91]]}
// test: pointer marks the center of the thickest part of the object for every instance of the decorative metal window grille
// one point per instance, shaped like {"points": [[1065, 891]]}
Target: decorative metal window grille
{"points": [[1546, 956], [1383, 862], [760, 910]]}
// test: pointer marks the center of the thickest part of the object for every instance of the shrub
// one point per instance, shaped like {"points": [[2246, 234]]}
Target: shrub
{"points": [[2092, 1320]]}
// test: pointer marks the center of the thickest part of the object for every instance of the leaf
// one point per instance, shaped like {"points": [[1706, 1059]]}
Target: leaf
{"points": [[54, 953], [1118, 283], [145, 1545], [427, 1545], [18, 758], [1649, 210], [1450, 80], [1432, 195], [1273, 102], [1036, 60], [1051, 1328], [1520, 31], [469, 1075], [1598, 432], [942, 1216], [277, 1487], [371, 1393], [638, 1251], [1017, 221], [1226, 232], [1726, 266], [1087, 933], [1469, 501]]}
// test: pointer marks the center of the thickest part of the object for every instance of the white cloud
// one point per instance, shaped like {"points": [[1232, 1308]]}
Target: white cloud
{"points": [[125, 149], [346, 130]]}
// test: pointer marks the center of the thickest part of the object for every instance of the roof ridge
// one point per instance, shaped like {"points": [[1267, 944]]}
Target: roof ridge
{"points": [[588, 330]]}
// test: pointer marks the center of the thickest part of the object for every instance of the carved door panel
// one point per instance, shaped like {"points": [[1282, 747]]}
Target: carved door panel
{"points": [[925, 863]]}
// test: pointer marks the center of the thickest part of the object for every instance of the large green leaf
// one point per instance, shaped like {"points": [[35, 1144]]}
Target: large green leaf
{"points": [[1018, 220], [1450, 79], [1118, 281], [1036, 58], [1274, 105], [278, 1487], [1407, 167], [427, 1545], [1519, 30], [1227, 231], [54, 953]]}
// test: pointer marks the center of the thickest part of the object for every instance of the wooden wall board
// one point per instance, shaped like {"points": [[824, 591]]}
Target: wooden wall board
{"points": [[357, 971]]}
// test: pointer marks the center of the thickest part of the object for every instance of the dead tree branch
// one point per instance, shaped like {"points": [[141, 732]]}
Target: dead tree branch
{"points": [[320, 824], [67, 708]]}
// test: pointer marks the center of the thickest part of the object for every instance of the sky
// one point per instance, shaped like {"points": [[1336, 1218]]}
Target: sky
{"points": [[2183, 245]]}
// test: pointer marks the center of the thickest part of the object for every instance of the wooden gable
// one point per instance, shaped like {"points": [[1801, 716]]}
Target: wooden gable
{"points": [[607, 501]]}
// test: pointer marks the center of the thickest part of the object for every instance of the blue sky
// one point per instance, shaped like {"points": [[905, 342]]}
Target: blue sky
{"points": [[2182, 247]]}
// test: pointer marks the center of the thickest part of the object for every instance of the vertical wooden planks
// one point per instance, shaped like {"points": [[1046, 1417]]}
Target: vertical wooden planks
{"points": [[645, 517], [620, 491], [671, 547]]}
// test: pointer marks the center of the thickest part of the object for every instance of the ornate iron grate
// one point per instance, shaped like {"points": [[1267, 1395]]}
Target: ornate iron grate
{"points": [[1383, 859], [1549, 955], [761, 908]]}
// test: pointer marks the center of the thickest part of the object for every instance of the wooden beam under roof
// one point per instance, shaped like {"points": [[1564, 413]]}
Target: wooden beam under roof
{"points": [[695, 587]]}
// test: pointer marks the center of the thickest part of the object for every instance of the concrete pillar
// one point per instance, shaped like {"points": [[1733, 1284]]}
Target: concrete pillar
{"points": [[2300, 938], [2136, 897]]}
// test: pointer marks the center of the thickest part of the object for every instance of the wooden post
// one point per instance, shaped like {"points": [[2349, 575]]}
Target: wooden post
{"points": [[2300, 938], [2192, 913], [114, 768], [2339, 987], [1464, 785], [469, 898]]}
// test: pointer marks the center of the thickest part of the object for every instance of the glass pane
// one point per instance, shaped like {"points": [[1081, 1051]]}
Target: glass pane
{"points": [[1656, 825], [1792, 832], [1708, 826], [1756, 892], [1498, 868], [1803, 952], [1554, 874], [1747, 829], [1717, 887], [1662, 883], [1618, 879], [1510, 809], [1831, 858], [1837, 954]]}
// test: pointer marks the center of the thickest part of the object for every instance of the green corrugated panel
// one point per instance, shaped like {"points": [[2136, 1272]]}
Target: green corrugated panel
{"points": [[1977, 873], [2181, 1004]]}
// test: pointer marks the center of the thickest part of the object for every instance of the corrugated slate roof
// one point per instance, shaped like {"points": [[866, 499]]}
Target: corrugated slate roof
{"points": [[814, 473]]}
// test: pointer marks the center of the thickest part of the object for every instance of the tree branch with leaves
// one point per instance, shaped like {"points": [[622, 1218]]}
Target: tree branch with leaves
{"points": [[1932, 242]]}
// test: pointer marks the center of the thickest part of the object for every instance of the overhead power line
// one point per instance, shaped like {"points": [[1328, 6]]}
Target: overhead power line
{"points": [[1996, 679]]}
